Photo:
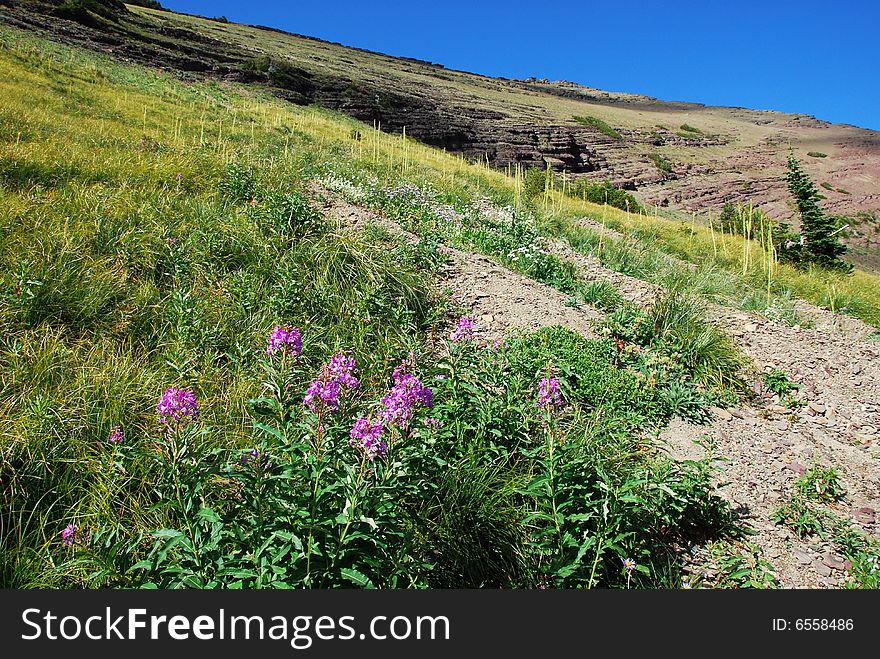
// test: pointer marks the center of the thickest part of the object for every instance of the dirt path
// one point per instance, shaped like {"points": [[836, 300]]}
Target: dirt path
{"points": [[766, 447], [501, 301]]}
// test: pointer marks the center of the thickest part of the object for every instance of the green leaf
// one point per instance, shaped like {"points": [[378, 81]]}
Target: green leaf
{"points": [[208, 515], [271, 431], [357, 578]]}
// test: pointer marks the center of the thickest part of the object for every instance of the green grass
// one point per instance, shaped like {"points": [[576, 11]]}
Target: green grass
{"points": [[660, 163], [599, 125], [719, 259], [817, 154]]}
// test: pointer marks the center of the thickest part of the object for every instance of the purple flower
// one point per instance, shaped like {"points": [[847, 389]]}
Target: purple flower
{"points": [[498, 344], [176, 407], [432, 423], [116, 435], [285, 339], [337, 373], [253, 454], [549, 395], [179, 176], [367, 437], [69, 534], [629, 564], [464, 331], [405, 396]]}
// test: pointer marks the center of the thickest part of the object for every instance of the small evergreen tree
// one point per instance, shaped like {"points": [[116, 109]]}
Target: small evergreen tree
{"points": [[821, 245]]}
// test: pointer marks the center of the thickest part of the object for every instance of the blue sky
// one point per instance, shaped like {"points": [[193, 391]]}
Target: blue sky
{"points": [[818, 58]]}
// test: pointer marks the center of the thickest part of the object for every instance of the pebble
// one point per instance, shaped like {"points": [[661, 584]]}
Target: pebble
{"points": [[781, 425], [866, 516], [802, 557], [822, 569], [722, 414], [836, 562], [796, 467]]}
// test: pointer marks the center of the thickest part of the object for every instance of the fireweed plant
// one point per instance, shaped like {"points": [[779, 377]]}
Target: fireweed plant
{"points": [[490, 446]]}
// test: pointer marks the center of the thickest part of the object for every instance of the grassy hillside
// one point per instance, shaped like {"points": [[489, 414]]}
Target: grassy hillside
{"points": [[682, 155], [159, 241]]}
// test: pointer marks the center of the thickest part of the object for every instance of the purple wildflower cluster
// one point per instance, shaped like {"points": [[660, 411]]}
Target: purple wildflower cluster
{"points": [[116, 435], [285, 339], [464, 331], [408, 192], [549, 395], [177, 407], [69, 535], [398, 405], [405, 396], [367, 437], [325, 389]]}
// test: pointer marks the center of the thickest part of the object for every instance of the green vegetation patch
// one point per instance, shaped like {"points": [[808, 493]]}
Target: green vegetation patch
{"points": [[660, 163], [599, 125]]}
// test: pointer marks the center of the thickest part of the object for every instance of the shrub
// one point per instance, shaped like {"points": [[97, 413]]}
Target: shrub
{"points": [[605, 193], [240, 184], [536, 181], [691, 129], [777, 382], [599, 125], [588, 370], [820, 483], [291, 215], [817, 154], [149, 4], [86, 11], [754, 224], [661, 163]]}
